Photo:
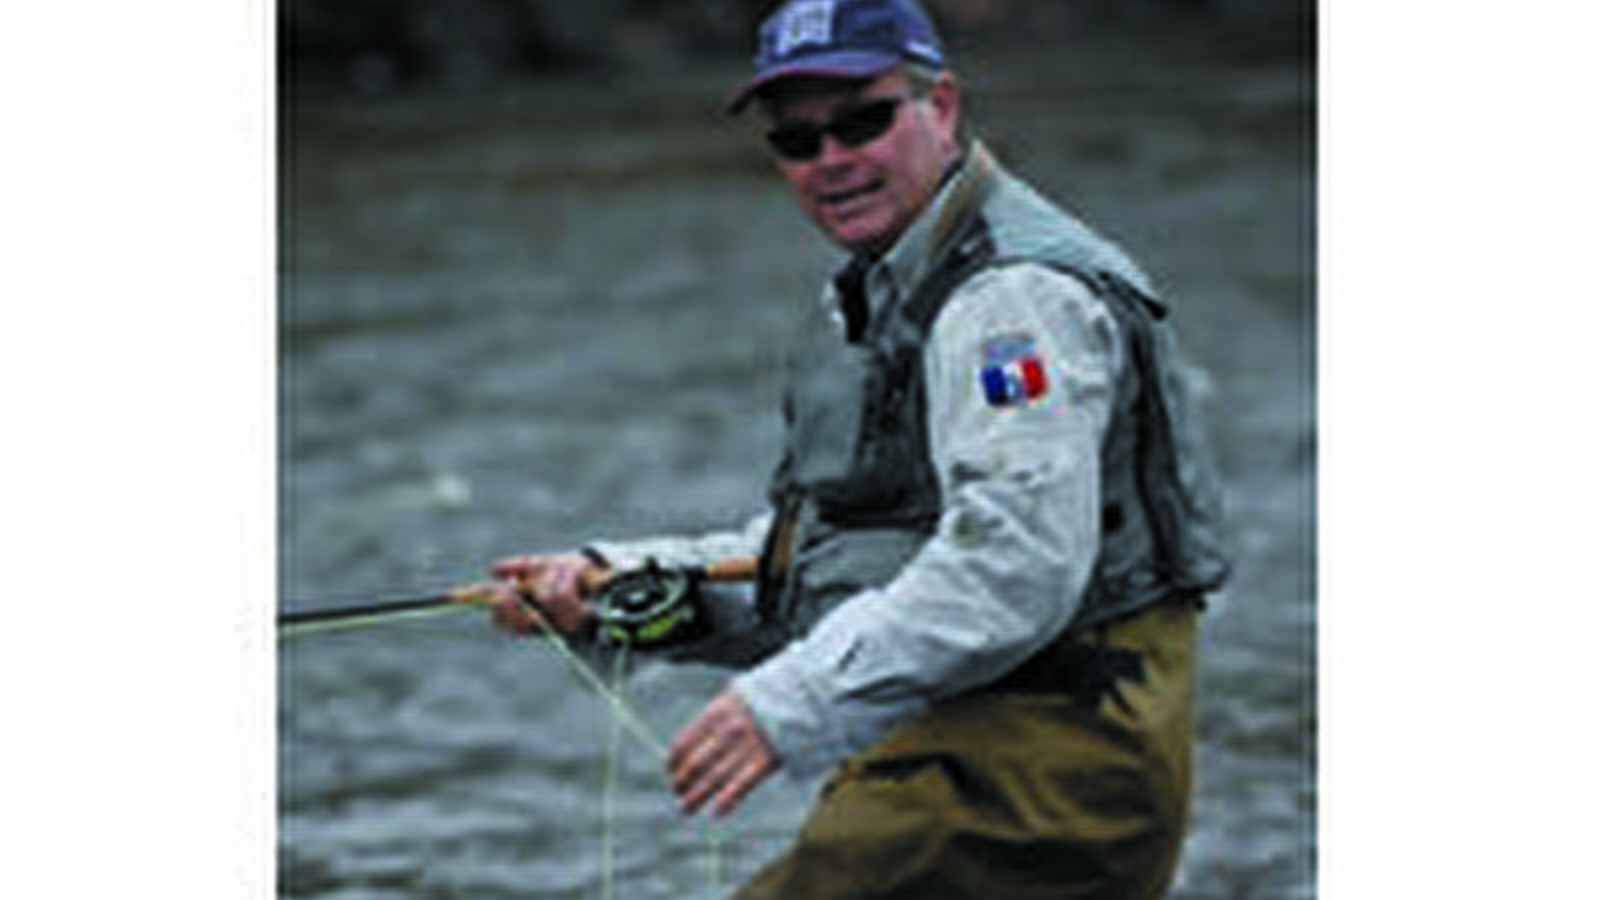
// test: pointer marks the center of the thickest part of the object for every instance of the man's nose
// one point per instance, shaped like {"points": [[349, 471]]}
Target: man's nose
{"points": [[834, 151]]}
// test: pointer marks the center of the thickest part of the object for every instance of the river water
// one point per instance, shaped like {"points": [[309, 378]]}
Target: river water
{"points": [[516, 319]]}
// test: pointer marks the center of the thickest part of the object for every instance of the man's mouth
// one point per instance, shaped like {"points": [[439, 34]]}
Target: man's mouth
{"points": [[842, 197]]}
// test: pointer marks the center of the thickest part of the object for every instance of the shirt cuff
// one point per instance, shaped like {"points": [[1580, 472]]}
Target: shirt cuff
{"points": [[824, 697], [792, 714]]}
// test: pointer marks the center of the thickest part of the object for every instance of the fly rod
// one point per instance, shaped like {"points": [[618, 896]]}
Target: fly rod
{"points": [[648, 606], [377, 610]]}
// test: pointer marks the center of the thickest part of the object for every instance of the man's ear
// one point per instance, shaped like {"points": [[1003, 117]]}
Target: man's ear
{"points": [[945, 100]]}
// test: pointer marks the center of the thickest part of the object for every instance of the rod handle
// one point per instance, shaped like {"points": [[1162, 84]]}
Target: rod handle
{"points": [[731, 569], [734, 568]]}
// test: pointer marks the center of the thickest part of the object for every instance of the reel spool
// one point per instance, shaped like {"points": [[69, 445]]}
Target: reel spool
{"points": [[651, 607]]}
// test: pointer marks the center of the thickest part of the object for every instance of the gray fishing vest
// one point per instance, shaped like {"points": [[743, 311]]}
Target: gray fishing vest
{"points": [[856, 494]]}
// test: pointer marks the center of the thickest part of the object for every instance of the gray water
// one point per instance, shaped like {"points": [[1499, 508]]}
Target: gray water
{"points": [[518, 319]]}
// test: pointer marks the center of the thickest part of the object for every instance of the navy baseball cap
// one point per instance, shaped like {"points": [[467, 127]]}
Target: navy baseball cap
{"points": [[840, 38]]}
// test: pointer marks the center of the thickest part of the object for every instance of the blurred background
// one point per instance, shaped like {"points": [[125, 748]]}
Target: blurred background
{"points": [[377, 45], [532, 287]]}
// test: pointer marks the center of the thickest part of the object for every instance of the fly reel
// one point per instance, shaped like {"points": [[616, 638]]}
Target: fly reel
{"points": [[651, 607]]}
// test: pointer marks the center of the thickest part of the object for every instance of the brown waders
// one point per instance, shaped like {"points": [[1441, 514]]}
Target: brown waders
{"points": [[1024, 790]]}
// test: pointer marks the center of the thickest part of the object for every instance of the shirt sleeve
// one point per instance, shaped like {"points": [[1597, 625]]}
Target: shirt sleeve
{"points": [[675, 550], [1021, 368]]}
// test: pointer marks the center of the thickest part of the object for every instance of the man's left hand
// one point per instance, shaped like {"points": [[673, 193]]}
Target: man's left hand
{"points": [[719, 757]]}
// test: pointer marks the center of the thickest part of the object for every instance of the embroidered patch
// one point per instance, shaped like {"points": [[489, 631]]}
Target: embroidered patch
{"points": [[1013, 372], [805, 23]]}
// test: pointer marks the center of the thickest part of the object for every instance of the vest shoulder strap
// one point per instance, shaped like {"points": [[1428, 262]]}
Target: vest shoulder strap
{"points": [[971, 251]]}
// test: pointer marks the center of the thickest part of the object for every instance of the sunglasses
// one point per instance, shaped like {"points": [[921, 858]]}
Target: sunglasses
{"points": [[853, 126]]}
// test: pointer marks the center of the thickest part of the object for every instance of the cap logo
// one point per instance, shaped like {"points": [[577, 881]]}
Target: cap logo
{"points": [[806, 22]]}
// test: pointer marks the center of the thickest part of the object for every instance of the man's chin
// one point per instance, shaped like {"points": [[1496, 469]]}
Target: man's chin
{"points": [[859, 235]]}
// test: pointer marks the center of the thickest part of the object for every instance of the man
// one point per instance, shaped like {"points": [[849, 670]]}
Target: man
{"points": [[991, 528]]}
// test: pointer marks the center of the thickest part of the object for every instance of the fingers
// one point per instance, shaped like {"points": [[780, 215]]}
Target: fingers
{"points": [[548, 577], [719, 758], [559, 580], [518, 568], [728, 783], [543, 593], [510, 611]]}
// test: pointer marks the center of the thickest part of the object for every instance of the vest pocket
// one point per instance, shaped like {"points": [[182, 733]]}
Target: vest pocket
{"points": [[856, 439], [827, 415]]}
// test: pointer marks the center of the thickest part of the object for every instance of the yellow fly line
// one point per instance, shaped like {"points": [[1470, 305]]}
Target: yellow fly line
{"points": [[625, 719]]}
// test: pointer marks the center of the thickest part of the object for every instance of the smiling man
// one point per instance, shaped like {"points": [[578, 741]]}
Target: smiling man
{"points": [[864, 162], [991, 530]]}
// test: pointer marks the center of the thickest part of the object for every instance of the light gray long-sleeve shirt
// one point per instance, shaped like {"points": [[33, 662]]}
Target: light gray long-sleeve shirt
{"points": [[1015, 545]]}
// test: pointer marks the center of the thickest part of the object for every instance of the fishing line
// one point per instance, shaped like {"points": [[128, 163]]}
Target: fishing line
{"points": [[296, 622], [608, 803], [652, 606], [624, 718], [298, 629], [619, 707]]}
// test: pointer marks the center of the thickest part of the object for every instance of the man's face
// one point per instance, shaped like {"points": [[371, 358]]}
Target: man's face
{"points": [[864, 197]]}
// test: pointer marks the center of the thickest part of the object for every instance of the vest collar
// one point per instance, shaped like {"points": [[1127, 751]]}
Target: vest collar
{"points": [[929, 238]]}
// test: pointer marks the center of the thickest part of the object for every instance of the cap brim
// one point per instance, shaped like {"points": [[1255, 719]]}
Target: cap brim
{"points": [[848, 65]]}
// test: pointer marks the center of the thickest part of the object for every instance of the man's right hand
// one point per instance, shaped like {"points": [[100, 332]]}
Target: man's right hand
{"points": [[538, 593]]}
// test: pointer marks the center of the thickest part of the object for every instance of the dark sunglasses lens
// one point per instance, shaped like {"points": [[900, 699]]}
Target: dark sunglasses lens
{"points": [[852, 127], [796, 141], [864, 123]]}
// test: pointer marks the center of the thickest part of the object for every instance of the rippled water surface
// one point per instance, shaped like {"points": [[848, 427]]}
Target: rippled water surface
{"points": [[517, 319]]}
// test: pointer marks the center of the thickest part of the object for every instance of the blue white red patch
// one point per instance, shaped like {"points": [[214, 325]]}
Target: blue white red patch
{"points": [[1013, 373]]}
